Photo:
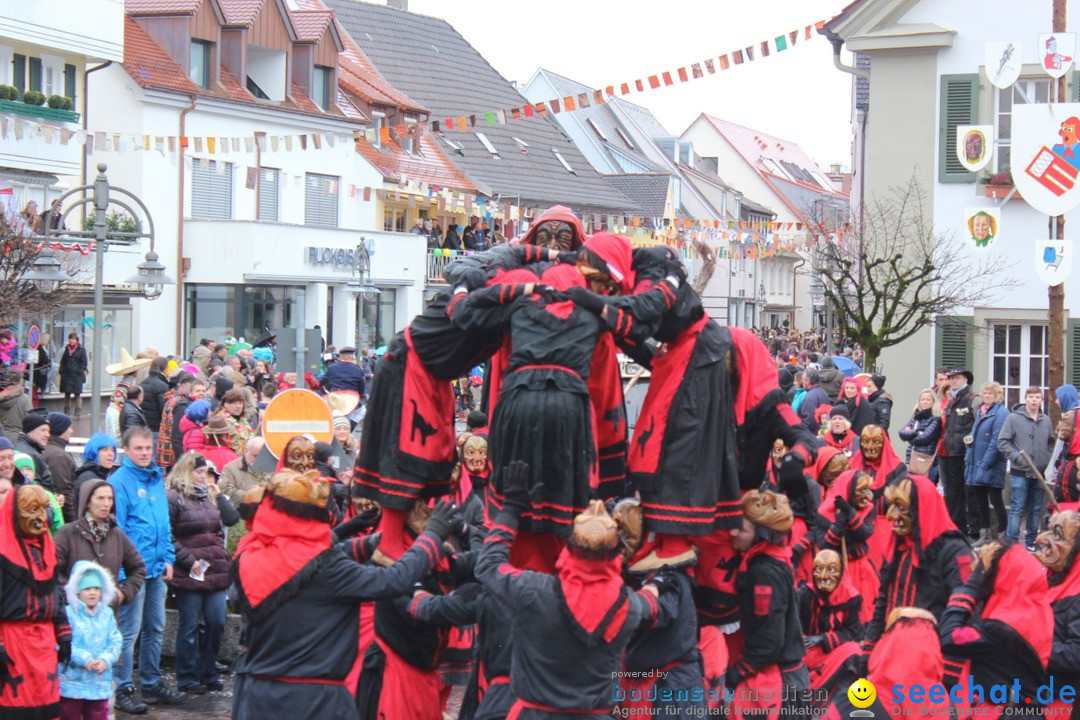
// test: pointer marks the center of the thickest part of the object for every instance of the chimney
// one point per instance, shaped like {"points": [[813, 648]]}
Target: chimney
{"points": [[399, 4]]}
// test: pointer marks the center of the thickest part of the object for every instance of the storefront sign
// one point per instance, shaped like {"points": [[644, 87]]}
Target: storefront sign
{"points": [[336, 258]]}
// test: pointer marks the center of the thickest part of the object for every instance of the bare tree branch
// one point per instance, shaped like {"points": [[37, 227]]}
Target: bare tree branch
{"points": [[18, 295], [887, 279]]}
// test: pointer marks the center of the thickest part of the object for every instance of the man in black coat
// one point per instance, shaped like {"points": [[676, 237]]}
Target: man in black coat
{"points": [[154, 388], [958, 420], [344, 374], [32, 441]]}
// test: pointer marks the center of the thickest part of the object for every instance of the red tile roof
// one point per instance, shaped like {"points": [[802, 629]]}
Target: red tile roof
{"points": [[162, 7], [431, 167], [754, 145], [240, 12], [309, 25], [149, 65]]}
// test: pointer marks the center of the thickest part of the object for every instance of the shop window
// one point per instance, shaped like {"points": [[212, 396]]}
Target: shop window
{"points": [[116, 334], [377, 319]]}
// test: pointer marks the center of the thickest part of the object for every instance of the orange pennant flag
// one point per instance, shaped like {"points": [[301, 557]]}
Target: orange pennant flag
{"points": [[682, 74], [568, 104], [654, 82]]}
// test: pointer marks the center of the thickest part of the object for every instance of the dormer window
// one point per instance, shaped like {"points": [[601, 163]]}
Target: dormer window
{"points": [[266, 72], [323, 80], [199, 70], [409, 141]]}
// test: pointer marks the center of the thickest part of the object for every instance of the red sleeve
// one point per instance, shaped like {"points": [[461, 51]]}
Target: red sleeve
{"points": [[757, 372]]}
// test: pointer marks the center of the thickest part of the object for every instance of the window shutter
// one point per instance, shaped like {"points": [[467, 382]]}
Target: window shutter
{"points": [[1072, 351], [18, 72], [954, 338], [321, 200], [959, 106], [35, 74], [268, 194], [69, 81], [211, 194]]}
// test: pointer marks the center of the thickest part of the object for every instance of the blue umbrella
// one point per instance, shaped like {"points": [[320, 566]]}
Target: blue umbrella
{"points": [[380, 350], [846, 366]]}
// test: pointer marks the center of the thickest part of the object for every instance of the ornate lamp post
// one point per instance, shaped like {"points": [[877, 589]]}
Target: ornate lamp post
{"points": [[360, 286]]}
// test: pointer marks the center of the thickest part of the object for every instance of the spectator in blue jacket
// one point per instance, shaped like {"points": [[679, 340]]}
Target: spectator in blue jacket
{"points": [[85, 682], [142, 512], [984, 465]]}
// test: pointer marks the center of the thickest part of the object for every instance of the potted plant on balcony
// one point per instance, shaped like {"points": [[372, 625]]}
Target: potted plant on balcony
{"points": [[60, 102], [997, 185], [9, 92], [33, 97]]}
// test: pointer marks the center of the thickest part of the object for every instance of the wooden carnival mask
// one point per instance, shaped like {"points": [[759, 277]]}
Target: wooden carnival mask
{"points": [[304, 488], [768, 509], [628, 516], [1055, 546], [555, 234], [779, 450], [475, 455], [33, 511], [872, 442], [898, 499], [300, 454], [833, 469], [418, 517], [864, 491], [594, 529], [827, 571], [1066, 427]]}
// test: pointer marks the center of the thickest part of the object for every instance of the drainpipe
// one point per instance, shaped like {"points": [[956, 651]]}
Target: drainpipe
{"points": [[180, 233], [86, 115], [794, 279], [838, 43]]}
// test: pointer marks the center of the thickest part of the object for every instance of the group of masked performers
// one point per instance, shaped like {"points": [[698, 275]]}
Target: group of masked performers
{"points": [[559, 567]]}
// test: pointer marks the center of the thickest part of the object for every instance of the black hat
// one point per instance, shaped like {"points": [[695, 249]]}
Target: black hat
{"points": [[33, 421], [58, 423], [265, 340], [840, 410], [879, 381], [961, 370]]}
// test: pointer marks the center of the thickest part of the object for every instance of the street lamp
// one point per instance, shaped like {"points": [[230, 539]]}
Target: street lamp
{"points": [[360, 286], [45, 273], [151, 277]]}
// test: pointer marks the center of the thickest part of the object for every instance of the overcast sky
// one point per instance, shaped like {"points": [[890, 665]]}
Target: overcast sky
{"points": [[796, 95]]}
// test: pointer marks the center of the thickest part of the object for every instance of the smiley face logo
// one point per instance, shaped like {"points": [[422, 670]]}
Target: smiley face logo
{"points": [[862, 693]]}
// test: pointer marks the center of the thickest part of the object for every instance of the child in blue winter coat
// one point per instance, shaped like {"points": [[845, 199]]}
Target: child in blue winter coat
{"points": [[86, 680]]}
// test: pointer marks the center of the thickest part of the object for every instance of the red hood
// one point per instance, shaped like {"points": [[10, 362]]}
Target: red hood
{"points": [[932, 518], [15, 554], [591, 589], [277, 547], [562, 277], [779, 552], [908, 654], [617, 254], [843, 487], [845, 591], [885, 465], [557, 212], [1067, 584], [1019, 599], [825, 453]]}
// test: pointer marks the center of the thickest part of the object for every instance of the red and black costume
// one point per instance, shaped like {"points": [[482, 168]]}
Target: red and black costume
{"points": [[708, 422], [926, 566], [1063, 596], [772, 651], [888, 469], [908, 654], [301, 599], [835, 618], [1001, 624], [33, 622], [670, 647], [846, 528], [569, 630], [804, 531]]}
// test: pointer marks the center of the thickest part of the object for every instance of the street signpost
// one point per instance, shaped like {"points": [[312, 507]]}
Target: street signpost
{"points": [[296, 412]]}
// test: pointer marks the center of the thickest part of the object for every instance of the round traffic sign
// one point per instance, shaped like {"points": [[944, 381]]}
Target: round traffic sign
{"points": [[33, 338], [296, 412]]}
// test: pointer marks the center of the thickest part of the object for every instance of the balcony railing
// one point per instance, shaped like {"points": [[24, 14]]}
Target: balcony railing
{"points": [[437, 262]]}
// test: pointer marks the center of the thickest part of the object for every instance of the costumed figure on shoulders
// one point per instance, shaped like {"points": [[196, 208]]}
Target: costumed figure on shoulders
{"points": [[875, 455], [829, 609], [850, 521], [805, 507]]}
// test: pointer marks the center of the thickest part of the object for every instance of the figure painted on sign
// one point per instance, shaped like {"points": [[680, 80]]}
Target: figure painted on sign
{"points": [[1004, 62], [974, 146], [1069, 147], [983, 228], [1052, 59]]}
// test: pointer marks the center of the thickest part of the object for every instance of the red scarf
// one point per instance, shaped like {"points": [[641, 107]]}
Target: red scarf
{"points": [[15, 549], [844, 592], [778, 552], [277, 547], [591, 588], [1020, 600], [881, 469], [841, 445], [909, 653]]}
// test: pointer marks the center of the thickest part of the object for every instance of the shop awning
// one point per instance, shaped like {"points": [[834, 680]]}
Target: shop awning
{"points": [[27, 177]]}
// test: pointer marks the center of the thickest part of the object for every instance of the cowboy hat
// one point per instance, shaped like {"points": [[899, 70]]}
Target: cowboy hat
{"points": [[342, 401], [127, 364]]}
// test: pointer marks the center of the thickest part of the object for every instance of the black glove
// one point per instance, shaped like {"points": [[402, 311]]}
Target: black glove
{"points": [[444, 517], [664, 582], [981, 583], [347, 529], [810, 641], [862, 663], [732, 678], [792, 480], [550, 294], [844, 511], [469, 592], [517, 497], [63, 651], [566, 257], [473, 278], [585, 299]]}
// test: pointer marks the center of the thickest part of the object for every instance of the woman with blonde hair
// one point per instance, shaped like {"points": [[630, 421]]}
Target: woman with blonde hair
{"points": [[198, 512], [922, 431]]}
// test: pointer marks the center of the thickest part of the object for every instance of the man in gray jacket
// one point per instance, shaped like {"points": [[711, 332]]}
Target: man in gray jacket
{"points": [[1027, 429]]}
